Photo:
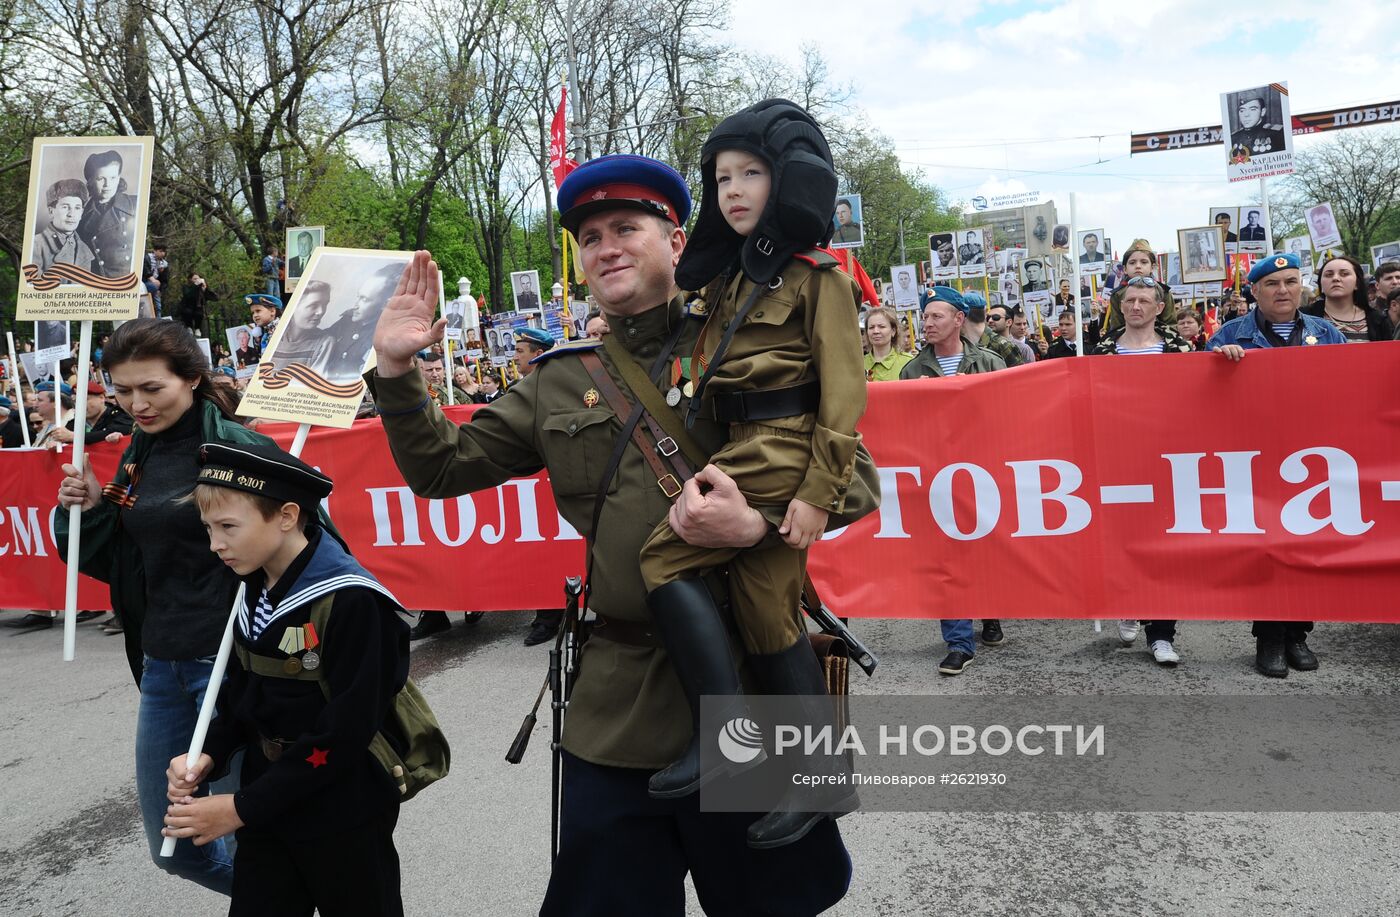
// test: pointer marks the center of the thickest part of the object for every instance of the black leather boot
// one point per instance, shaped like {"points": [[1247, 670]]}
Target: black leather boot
{"points": [[1268, 657], [695, 639], [1295, 650], [796, 671]]}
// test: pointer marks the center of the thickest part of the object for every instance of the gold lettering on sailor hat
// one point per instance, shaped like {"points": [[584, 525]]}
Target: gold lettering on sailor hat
{"points": [[217, 474], [256, 483]]}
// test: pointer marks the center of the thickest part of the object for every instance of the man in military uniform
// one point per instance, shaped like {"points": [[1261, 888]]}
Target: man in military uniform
{"points": [[975, 329], [1252, 136], [527, 300], [950, 351], [59, 242], [1035, 277], [351, 340], [970, 252], [108, 226], [847, 228], [621, 852]]}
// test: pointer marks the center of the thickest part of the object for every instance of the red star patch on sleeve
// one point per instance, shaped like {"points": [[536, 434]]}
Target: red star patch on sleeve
{"points": [[317, 757]]}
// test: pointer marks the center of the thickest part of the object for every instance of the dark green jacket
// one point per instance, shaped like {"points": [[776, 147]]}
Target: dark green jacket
{"points": [[106, 553], [974, 360]]}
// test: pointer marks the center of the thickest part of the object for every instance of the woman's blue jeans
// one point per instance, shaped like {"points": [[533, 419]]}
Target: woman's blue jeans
{"points": [[171, 693]]}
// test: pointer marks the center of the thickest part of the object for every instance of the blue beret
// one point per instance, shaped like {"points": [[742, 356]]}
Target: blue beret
{"points": [[262, 299], [537, 336], [623, 181], [63, 387], [227, 371], [974, 300], [1277, 262], [5, 403], [949, 295]]}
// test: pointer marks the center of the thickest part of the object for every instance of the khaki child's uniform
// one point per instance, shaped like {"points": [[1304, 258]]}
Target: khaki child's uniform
{"points": [[802, 328]]}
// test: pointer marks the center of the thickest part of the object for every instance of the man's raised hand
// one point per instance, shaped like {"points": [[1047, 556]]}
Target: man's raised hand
{"points": [[408, 324]]}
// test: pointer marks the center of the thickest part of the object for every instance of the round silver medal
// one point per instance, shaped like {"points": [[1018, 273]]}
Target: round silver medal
{"points": [[310, 660], [673, 397]]}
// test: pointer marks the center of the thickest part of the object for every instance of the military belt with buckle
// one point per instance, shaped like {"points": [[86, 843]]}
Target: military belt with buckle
{"points": [[768, 404]]}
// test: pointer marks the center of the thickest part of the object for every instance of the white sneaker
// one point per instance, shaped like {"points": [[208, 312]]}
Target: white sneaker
{"points": [[1165, 653], [1128, 631]]}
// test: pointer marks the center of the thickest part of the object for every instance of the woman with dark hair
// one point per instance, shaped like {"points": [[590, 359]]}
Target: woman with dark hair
{"points": [[1345, 304], [171, 592]]}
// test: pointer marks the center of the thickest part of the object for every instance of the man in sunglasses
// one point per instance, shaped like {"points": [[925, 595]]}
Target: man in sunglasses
{"points": [[1275, 321]]}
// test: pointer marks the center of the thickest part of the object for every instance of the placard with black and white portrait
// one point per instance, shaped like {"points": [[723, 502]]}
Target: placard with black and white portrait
{"points": [[51, 342], [324, 341], [85, 227], [1035, 276], [1203, 258], [1255, 236], [943, 250], [525, 291], [1258, 132], [1091, 255], [904, 286], [301, 242], [1227, 218], [1381, 254], [973, 245], [1322, 228]]}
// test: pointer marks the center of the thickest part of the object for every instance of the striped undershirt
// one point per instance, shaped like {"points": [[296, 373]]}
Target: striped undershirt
{"points": [[1283, 329], [1158, 347], [262, 616], [949, 365]]}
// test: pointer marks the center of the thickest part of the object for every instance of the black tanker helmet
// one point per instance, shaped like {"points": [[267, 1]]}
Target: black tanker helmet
{"points": [[801, 202]]}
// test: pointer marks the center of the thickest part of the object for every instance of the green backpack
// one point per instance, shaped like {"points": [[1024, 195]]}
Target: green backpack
{"points": [[427, 757]]}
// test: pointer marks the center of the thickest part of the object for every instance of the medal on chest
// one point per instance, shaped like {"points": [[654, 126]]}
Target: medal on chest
{"points": [[680, 372]]}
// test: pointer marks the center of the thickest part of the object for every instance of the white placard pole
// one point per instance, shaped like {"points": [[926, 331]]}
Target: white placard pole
{"points": [[1078, 295], [216, 674], [19, 392], [75, 512]]}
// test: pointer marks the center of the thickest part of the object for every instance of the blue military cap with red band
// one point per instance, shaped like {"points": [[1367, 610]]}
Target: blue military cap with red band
{"points": [[609, 182]]}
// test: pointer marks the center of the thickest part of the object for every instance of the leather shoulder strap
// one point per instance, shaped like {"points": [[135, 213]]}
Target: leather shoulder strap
{"points": [[669, 482], [657, 410]]}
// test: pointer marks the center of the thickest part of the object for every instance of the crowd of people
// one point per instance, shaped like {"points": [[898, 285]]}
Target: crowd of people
{"points": [[631, 765]]}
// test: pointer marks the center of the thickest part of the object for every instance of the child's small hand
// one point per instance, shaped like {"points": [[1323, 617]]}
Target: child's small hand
{"points": [[803, 524], [205, 819], [184, 780]]}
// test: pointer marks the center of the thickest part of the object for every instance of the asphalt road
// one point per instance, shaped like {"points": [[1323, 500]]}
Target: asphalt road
{"points": [[476, 844]]}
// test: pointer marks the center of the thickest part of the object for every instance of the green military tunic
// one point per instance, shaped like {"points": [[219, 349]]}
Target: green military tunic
{"points": [[627, 709], [974, 360], [801, 328]]}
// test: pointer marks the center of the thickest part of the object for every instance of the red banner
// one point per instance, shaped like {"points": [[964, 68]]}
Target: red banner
{"points": [[559, 163], [1179, 487]]}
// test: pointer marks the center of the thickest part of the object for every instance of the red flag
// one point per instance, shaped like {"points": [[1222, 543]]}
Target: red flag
{"points": [[852, 266], [560, 164]]}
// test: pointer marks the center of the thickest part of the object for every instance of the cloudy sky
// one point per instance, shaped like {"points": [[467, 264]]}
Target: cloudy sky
{"points": [[994, 95]]}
